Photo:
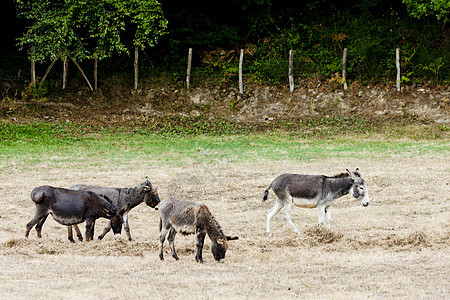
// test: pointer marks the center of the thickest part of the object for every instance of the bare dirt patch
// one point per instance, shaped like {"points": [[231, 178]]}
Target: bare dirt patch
{"points": [[397, 247]]}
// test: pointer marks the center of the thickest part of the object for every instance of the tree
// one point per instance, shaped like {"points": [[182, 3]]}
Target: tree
{"points": [[438, 8], [86, 29]]}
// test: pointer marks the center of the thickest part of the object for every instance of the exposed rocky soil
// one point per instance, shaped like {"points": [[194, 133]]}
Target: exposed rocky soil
{"points": [[114, 105]]}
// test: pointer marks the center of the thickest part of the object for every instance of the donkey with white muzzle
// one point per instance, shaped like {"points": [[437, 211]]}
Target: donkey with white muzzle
{"points": [[312, 191]]}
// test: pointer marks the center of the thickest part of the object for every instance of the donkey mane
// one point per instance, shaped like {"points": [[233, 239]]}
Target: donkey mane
{"points": [[341, 175], [206, 219]]}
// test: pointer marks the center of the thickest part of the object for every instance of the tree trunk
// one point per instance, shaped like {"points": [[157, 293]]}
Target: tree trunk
{"points": [[82, 73], [48, 69]]}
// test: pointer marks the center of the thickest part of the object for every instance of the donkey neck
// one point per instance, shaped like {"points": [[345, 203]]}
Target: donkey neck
{"points": [[211, 225], [131, 196], [337, 186]]}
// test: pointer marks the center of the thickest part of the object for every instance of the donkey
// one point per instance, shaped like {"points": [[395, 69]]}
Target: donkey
{"points": [[311, 191], [121, 197], [191, 218], [70, 207]]}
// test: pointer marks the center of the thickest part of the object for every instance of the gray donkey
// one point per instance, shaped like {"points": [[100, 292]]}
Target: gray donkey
{"points": [[310, 191], [121, 198], [191, 218]]}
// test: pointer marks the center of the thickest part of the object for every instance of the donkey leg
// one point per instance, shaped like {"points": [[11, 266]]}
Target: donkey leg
{"points": [[287, 215], [79, 235], [70, 234], [162, 238], [30, 225], [105, 231], [328, 216], [199, 241], [90, 225], [321, 212], [171, 239], [272, 212], [39, 225], [126, 226]]}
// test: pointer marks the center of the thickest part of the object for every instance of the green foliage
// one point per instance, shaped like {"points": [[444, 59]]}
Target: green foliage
{"points": [[36, 91], [438, 8], [88, 28]]}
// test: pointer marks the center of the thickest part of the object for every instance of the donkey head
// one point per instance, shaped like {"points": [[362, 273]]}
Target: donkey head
{"points": [[359, 188], [115, 216], [219, 247], [151, 197]]}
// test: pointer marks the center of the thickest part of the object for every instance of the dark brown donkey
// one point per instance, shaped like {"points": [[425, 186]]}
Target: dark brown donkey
{"points": [[191, 218], [70, 207], [124, 197]]}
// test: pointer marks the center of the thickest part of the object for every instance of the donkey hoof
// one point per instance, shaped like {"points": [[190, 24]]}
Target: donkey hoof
{"points": [[72, 240], [100, 237], [270, 234]]}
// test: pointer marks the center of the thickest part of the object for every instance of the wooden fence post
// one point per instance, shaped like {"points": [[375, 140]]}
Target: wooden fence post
{"points": [[344, 69], [95, 73], [33, 72], [65, 67], [291, 71], [241, 63], [189, 65], [397, 63], [136, 67]]}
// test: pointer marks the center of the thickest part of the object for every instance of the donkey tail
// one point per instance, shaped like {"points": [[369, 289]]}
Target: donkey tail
{"points": [[37, 195], [266, 192], [160, 224]]}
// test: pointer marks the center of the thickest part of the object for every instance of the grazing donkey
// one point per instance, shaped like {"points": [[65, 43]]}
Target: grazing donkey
{"points": [[311, 191], [70, 207], [191, 218], [121, 197]]}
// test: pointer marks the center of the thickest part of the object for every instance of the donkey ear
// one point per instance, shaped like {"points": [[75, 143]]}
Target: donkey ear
{"points": [[357, 173], [231, 238], [349, 173], [220, 242]]}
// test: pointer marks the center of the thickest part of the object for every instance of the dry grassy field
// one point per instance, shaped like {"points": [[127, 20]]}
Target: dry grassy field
{"points": [[397, 247]]}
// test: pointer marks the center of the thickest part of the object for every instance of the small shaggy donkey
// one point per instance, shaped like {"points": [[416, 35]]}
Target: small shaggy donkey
{"points": [[191, 218]]}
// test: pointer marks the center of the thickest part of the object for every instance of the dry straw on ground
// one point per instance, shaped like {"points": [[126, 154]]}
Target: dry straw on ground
{"points": [[398, 246]]}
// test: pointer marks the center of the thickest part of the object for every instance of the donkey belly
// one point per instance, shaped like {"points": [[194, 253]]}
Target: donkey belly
{"points": [[304, 202], [67, 219]]}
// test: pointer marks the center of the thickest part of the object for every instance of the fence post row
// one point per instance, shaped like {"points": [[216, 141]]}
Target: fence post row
{"points": [[189, 67]]}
